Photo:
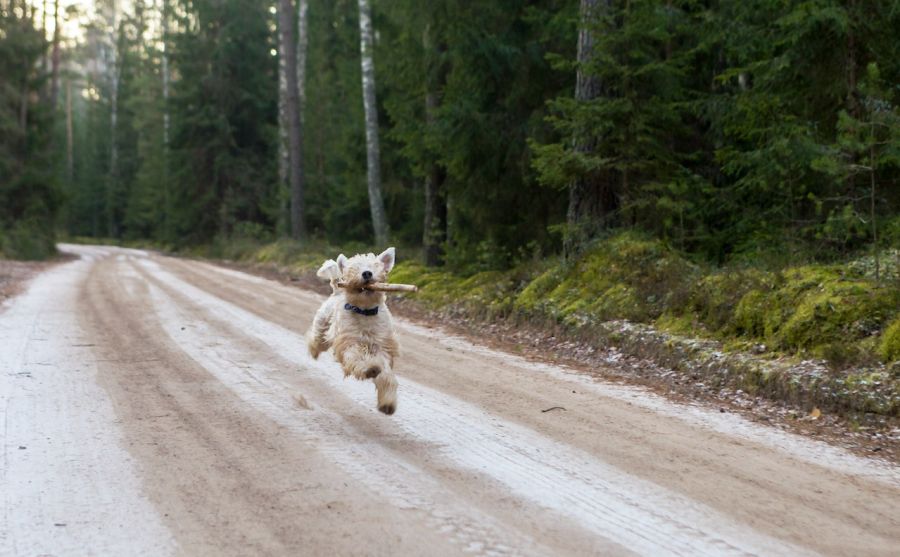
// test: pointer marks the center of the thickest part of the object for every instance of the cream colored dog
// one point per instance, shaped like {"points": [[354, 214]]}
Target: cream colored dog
{"points": [[357, 324]]}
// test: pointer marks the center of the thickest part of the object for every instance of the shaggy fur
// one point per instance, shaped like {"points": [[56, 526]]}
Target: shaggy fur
{"points": [[364, 345]]}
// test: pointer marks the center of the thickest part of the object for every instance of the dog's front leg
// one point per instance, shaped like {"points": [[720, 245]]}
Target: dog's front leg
{"points": [[317, 336]]}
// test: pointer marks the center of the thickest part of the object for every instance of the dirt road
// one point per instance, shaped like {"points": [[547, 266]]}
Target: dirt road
{"points": [[157, 406]]}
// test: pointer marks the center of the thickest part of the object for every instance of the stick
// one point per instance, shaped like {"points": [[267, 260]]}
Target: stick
{"points": [[553, 408], [385, 287]]}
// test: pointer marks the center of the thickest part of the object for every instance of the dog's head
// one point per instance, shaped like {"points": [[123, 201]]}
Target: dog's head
{"points": [[362, 269]]}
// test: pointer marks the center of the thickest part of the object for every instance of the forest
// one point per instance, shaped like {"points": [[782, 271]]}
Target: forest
{"points": [[482, 136]]}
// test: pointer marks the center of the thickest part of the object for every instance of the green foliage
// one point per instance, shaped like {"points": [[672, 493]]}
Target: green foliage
{"points": [[29, 193], [738, 127], [889, 348], [29, 240], [737, 132]]}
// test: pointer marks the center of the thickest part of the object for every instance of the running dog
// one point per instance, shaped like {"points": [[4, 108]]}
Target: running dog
{"points": [[357, 324]]}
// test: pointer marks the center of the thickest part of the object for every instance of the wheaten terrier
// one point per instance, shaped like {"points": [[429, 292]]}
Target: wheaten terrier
{"points": [[357, 324]]}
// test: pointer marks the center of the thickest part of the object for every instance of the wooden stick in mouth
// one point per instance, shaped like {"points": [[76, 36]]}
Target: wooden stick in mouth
{"points": [[384, 287]]}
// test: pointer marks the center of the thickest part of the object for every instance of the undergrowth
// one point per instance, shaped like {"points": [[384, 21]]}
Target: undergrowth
{"points": [[837, 313]]}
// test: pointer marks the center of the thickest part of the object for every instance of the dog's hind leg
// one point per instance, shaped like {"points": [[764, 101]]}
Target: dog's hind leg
{"points": [[355, 359], [386, 385]]}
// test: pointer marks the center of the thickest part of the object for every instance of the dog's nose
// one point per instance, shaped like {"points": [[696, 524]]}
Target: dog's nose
{"points": [[367, 275]]}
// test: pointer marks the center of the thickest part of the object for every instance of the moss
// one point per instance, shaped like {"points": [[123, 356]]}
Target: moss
{"points": [[435, 287], [889, 347], [533, 297], [677, 324], [817, 308], [814, 309], [483, 294], [714, 297], [626, 276], [748, 317]]}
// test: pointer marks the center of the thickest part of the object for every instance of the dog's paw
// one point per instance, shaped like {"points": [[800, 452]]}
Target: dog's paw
{"points": [[373, 372], [387, 408]]}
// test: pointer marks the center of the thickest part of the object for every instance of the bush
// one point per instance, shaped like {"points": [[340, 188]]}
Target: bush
{"points": [[30, 240]]}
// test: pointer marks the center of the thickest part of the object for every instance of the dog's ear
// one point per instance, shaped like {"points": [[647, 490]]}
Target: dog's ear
{"points": [[387, 258], [329, 270], [342, 263]]}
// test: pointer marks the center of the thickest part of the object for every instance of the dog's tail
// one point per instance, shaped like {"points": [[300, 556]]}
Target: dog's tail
{"points": [[330, 272]]}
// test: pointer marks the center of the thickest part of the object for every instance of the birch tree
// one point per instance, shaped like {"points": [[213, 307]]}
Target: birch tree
{"points": [[302, 49], [288, 59], [373, 156]]}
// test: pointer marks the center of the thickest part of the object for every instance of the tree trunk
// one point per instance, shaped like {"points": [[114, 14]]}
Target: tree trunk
{"points": [[284, 163], [70, 139], [302, 42], [435, 226], [165, 73], [373, 156], [112, 180], [45, 58], [851, 101], [54, 83], [302, 47], [291, 113], [167, 201], [23, 107], [872, 190], [434, 234], [592, 197]]}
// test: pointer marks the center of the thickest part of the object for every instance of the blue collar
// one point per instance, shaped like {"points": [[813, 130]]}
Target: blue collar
{"points": [[361, 311]]}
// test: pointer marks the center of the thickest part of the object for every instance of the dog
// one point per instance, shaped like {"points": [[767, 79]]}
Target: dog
{"points": [[357, 324]]}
